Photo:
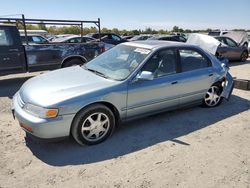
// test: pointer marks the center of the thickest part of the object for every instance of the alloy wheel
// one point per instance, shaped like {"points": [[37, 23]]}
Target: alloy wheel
{"points": [[213, 96], [95, 126]]}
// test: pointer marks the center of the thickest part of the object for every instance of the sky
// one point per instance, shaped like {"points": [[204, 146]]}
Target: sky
{"points": [[139, 14]]}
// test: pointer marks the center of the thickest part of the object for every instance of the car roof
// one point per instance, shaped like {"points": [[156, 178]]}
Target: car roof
{"points": [[160, 36], [154, 44], [63, 39], [30, 35]]}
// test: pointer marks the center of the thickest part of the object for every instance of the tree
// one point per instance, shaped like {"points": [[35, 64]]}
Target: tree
{"points": [[116, 31], [42, 26], [175, 29]]}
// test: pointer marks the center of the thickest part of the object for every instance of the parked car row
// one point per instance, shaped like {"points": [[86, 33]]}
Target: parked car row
{"points": [[233, 45]]}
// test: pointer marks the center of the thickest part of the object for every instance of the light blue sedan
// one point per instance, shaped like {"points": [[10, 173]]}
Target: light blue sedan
{"points": [[131, 80]]}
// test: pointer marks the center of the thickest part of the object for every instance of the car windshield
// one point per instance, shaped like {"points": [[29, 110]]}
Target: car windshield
{"points": [[118, 63]]}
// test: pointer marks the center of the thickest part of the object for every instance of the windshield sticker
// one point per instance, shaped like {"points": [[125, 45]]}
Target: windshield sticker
{"points": [[142, 51]]}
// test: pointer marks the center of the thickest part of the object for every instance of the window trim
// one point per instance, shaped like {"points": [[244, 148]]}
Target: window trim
{"points": [[196, 50]]}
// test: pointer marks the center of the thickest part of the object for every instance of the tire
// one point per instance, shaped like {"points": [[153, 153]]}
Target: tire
{"points": [[87, 129], [210, 100], [72, 62], [244, 56]]}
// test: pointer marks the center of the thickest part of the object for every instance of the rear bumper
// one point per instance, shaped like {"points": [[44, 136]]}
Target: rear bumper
{"points": [[42, 128]]}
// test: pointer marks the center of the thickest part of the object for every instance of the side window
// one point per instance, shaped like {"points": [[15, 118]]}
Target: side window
{"points": [[221, 40], [36, 39], [85, 39], [75, 40], [182, 39], [5, 38], [114, 37], [192, 60], [162, 63], [230, 42]]}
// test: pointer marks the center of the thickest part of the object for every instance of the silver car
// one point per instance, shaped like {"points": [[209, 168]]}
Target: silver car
{"points": [[131, 80]]}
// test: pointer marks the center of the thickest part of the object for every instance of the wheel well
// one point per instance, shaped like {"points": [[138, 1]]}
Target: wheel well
{"points": [[83, 59], [113, 109], [245, 51], [107, 104]]}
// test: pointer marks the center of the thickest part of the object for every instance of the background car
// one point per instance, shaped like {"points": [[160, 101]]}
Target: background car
{"points": [[131, 80], [34, 39], [74, 39], [217, 32], [176, 38], [109, 38], [127, 37], [231, 50], [140, 37]]}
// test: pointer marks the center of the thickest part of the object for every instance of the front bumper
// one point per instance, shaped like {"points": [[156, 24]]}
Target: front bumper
{"points": [[42, 128]]}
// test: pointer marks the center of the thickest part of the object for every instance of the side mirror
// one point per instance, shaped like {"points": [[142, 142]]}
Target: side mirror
{"points": [[225, 63], [145, 75]]}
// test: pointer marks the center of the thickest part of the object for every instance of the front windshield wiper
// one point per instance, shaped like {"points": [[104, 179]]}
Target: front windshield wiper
{"points": [[96, 72]]}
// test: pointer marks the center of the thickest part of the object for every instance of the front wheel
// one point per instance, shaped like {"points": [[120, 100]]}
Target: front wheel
{"points": [[213, 96], [244, 56], [93, 125]]}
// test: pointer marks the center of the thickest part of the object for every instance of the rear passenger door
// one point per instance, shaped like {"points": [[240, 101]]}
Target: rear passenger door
{"points": [[196, 76]]}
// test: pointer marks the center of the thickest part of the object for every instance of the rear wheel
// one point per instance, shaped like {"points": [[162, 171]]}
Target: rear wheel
{"points": [[244, 56], [213, 96], [73, 62], [93, 125]]}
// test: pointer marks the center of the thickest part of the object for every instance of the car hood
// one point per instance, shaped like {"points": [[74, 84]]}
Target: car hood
{"points": [[238, 36], [205, 42], [57, 86]]}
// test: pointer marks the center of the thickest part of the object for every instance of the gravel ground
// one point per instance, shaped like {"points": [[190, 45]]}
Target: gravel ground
{"points": [[195, 147]]}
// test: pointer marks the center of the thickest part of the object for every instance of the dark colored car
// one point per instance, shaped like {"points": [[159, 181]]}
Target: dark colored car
{"points": [[231, 50], [109, 38], [35, 39], [175, 38], [17, 58]]}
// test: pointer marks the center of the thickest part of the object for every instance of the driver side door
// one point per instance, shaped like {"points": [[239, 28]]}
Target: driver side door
{"points": [[234, 50], [149, 96]]}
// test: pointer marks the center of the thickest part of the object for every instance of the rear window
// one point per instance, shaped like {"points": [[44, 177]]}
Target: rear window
{"points": [[5, 37]]}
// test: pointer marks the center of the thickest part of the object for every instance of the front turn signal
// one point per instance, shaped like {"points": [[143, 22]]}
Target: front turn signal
{"points": [[51, 113]]}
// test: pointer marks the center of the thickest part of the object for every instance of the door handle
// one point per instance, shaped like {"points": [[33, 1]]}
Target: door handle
{"points": [[211, 74], [13, 50], [175, 82]]}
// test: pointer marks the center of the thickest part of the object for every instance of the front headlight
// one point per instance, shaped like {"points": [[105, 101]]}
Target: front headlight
{"points": [[40, 111]]}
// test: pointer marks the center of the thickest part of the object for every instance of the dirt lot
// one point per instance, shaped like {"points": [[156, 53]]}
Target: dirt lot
{"points": [[194, 147]]}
